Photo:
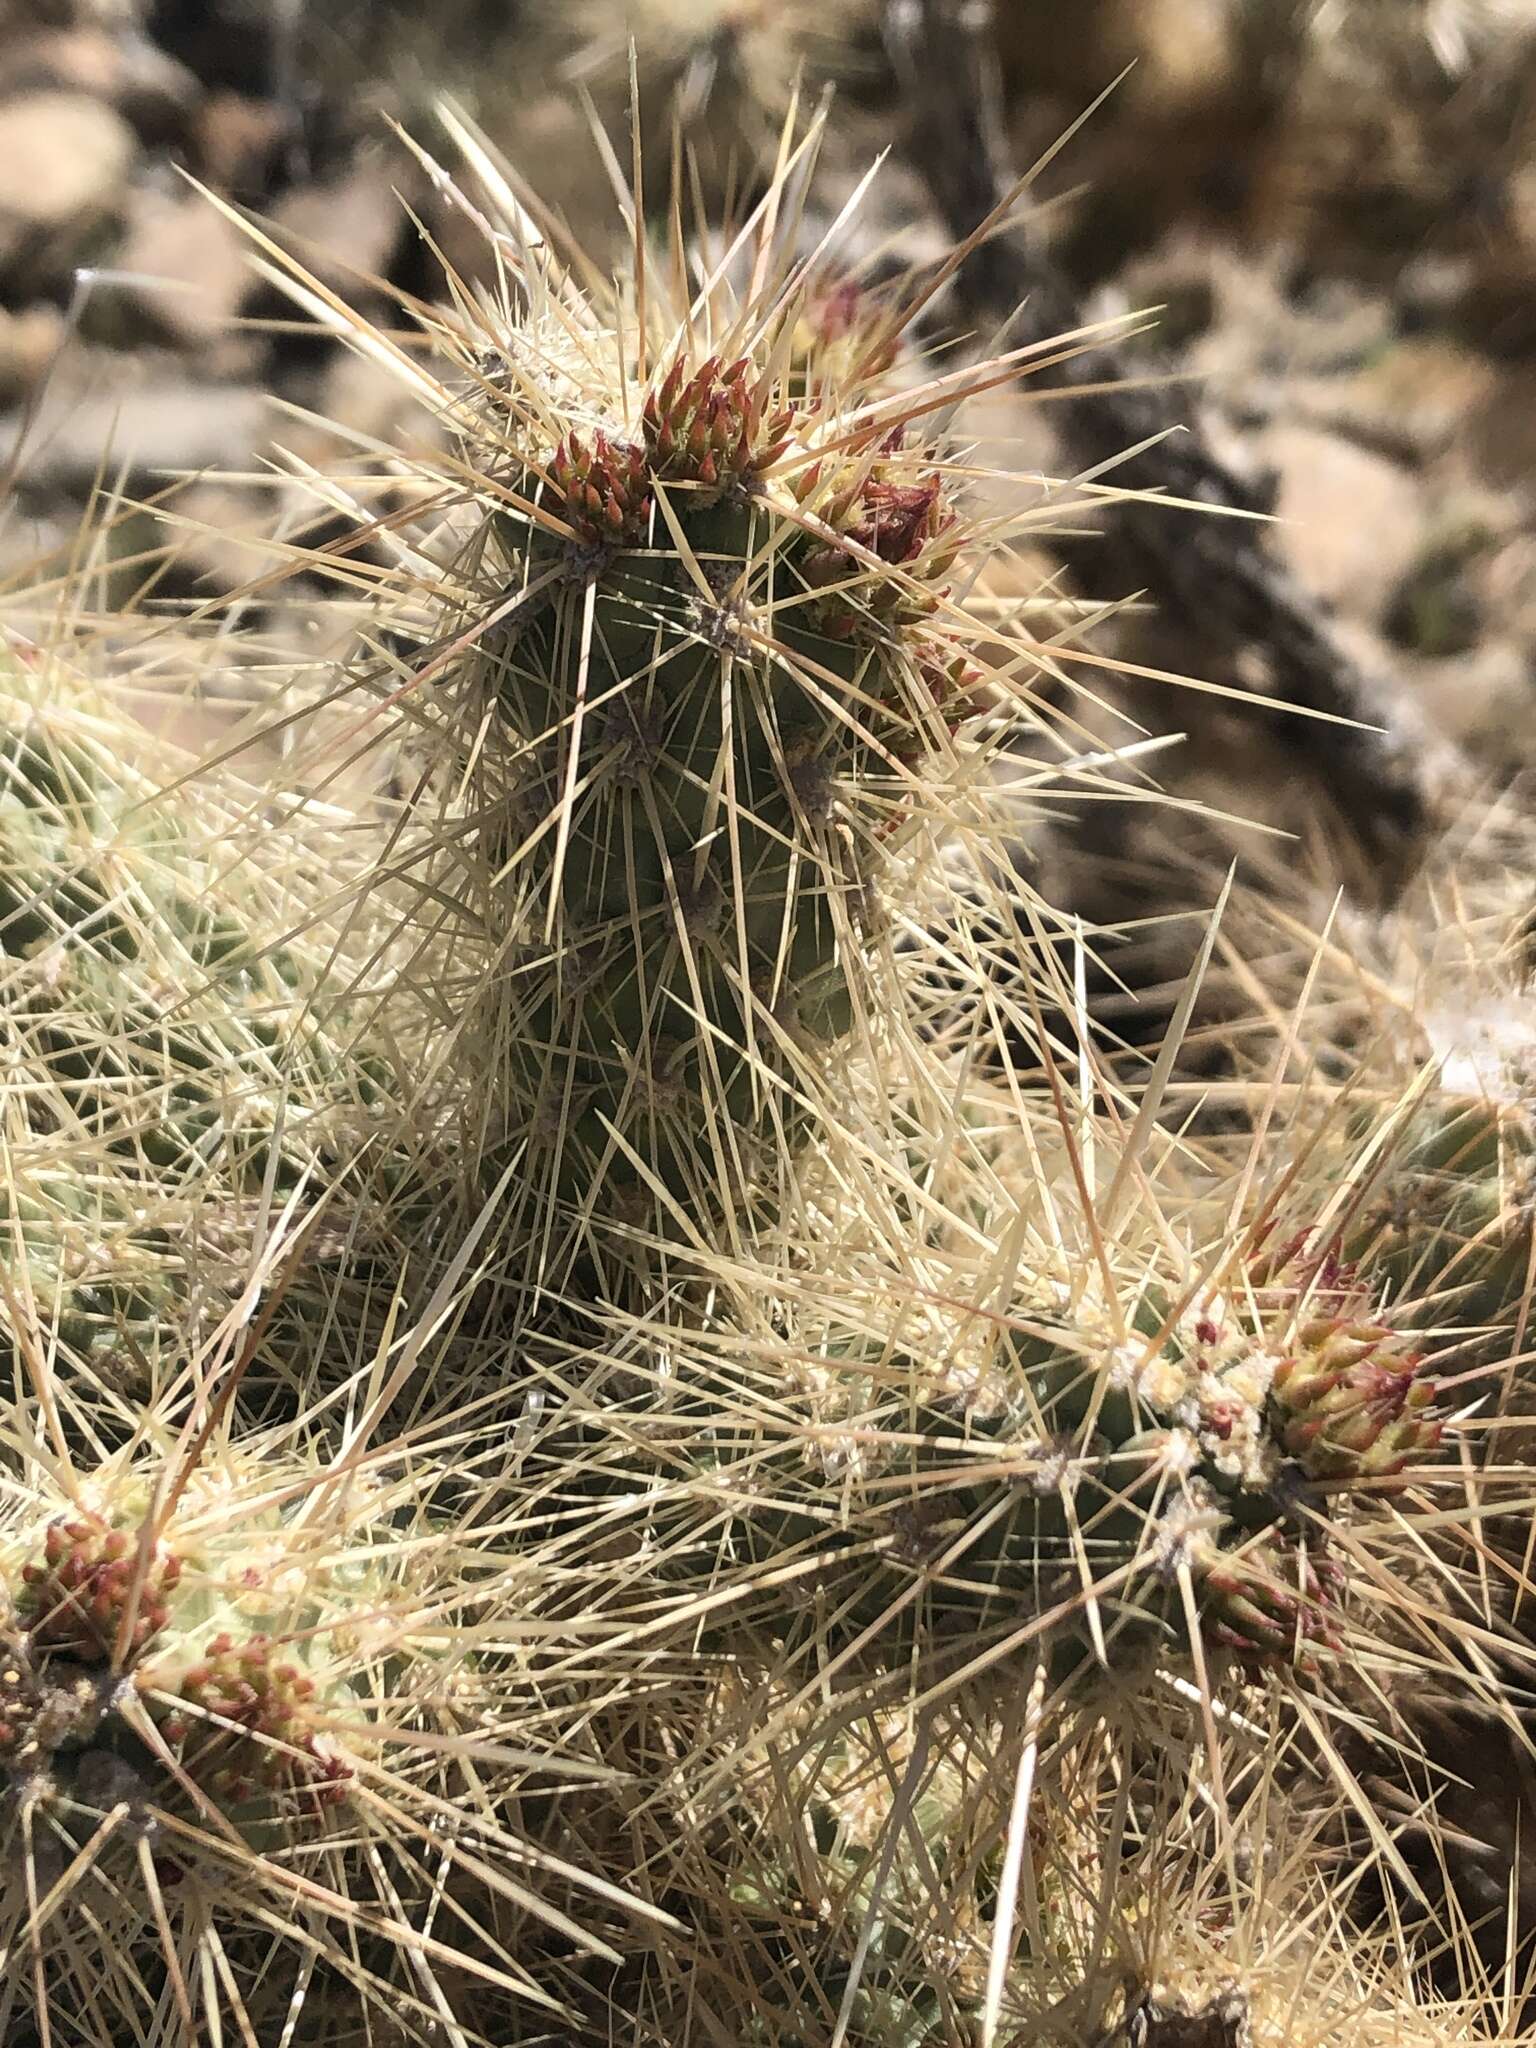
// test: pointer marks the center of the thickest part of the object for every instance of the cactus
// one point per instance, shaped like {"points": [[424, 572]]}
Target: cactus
{"points": [[682, 682], [1451, 1224], [240, 1691], [1423, 1135], [792, 1354], [700, 917], [1087, 1481], [177, 1061]]}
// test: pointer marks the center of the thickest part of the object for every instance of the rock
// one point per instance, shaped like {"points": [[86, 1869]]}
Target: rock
{"points": [[64, 161], [345, 227], [238, 142], [1442, 606], [1501, 433], [151, 90], [139, 417], [1481, 700], [71, 13], [29, 342], [1351, 521], [184, 268], [1417, 393]]}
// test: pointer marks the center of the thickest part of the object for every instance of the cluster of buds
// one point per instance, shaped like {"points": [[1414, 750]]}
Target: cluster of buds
{"points": [[1271, 1605], [1349, 1401], [96, 1595], [271, 1747], [714, 427], [1329, 1281], [905, 524], [1347, 1396], [840, 333], [606, 489]]}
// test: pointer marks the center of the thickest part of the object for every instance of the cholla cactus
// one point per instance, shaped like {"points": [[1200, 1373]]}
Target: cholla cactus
{"points": [[702, 706], [840, 1369], [179, 1056], [250, 1691], [682, 683], [1127, 1490]]}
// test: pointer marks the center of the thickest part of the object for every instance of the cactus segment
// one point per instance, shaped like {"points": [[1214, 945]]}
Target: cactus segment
{"points": [[714, 650], [171, 1054], [216, 1675], [1452, 1230], [1076, 1493]]}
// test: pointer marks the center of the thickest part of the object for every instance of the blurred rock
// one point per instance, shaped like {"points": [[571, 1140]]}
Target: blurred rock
{"points": [[142, 418], [184, 268], [29, 342], [150, 89], [70, 13], [1351, 524], [1415, 395], [1501, 433], [64, 162], [345, 227], [1439, 609], [238, 142], [1483, 700], [1181, 49]]}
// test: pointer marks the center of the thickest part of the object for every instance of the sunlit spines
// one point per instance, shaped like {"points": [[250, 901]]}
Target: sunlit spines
{"points": [[249, 1690], [185, 1034], [709, 638]]}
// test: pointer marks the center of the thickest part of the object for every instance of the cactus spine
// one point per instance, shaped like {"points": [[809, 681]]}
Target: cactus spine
{"points": [[177, 1062]]}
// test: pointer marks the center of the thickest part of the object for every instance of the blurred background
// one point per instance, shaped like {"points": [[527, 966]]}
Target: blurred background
{"points": [[1330, 204]]}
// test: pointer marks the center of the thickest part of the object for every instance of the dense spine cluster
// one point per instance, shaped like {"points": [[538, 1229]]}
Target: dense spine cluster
{"points": [[1177, 1482], [180, 1057]]}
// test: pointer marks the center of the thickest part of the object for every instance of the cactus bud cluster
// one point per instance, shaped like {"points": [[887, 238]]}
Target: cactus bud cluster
{"points": [[98, 1593], [714, 427], [254, 1662], [604, 489], [1271, 1605], [245, 1727], [1352, 1401]]}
